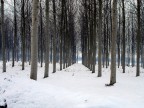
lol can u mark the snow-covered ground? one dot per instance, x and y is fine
(74, 87)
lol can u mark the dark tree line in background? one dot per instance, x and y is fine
(110, 33)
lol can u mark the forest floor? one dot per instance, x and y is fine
(74, 87)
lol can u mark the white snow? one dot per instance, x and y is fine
(74, 87)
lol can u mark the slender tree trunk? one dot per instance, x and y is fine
(47, 41)
(133, 44)
(51, 47)
(99, 37)
(23, 33)
(94, 38)
(3, 36)
(113, 47)
(107, 41)
(119, 34)
(54, 38)
(41, 34)
(15, 35)
(128, 57)
(138, 38)
(61, 33)
(123, 56)
(34, 39)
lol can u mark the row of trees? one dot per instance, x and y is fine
(39, 29)
(50, 29)
(112, 28)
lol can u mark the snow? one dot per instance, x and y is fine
(74, 87)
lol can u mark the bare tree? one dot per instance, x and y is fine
(47, 41)
(99, 40)
(15, 35)
(138, 37)
(3, 36)
(54, 38)
(113, 46)
(61, 32)
(23, 32)
(34, 39)
(123, 53)
(41, 33)
(94, 38)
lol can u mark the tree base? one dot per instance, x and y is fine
(107, 85)
(45, 77)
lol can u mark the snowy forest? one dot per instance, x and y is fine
(72, 54)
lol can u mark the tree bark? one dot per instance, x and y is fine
(15, 35)
(113, 46)
(54, 38)
(94, 38)
(23, 33)
(34, 39)
(41, 34)
(61, 33)
(138, 38)
(99, 40)
(3, 36)
(47, 41)
(123, 53)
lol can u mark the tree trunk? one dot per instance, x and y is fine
(15, 35)
(3, 36)
(46, 74)
(118, 39)
(113, 46)
(94, 38)
(138, 38)
(99, 40)
(23, 33)
(133, 43)
(34, 39)
(123, 54)
(41, 35)
(54, 38)
(61, 33)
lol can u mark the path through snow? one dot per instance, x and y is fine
(74, 87)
